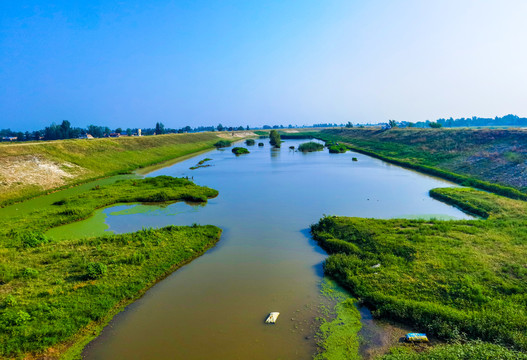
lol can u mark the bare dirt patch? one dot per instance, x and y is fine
(236, 134)
(16, 171)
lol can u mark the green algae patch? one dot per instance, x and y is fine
(338, 334)
(93, 226)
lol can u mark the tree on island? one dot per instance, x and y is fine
(274, 137)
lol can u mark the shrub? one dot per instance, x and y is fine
(33, 239)
(354, 159)
(29, 273)
(95, 270)
(16, 318)
(249, 142)
(9, 301)
(261, 144)
(223, 143)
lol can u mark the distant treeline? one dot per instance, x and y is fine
(66, 131)
(507, 120)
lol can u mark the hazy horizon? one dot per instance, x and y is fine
(238, 63)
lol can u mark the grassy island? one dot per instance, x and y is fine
(240, 151)
(310, 147)
(57, 295)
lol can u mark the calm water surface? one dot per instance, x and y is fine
(265, 261)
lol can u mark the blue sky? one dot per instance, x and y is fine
(134, 63)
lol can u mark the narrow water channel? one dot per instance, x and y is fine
(214, 307)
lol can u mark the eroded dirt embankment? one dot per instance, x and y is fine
(30, 169)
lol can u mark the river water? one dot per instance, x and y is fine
(214, 307)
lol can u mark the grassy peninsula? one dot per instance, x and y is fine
(456, 280)
(31, 169)
(493, 160)
(57, 295)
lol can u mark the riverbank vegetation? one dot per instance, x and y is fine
(310, 147)
(456, 280)
(337, 149)
(240, 151)
(54, 294)
(475, 350)
(493, 160)
(28, 170)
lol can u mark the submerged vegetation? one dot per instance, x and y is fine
(310, 147)
(240, 151)
(456, 280)
(51, 290)
(201, 164)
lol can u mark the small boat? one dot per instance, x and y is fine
(271, 319)
(416, 337)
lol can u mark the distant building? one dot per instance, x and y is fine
(138, 132)
(86, 136)
(9, 138)
(114, 135)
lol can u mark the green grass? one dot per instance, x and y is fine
(310, 147)
(469, 351)
(451, 279)
(337, 149)
(57, 293)
(99, 158)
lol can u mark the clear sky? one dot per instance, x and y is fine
(132, 63)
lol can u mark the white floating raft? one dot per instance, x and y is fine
(271, 319)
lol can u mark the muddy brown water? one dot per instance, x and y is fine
(214, 307)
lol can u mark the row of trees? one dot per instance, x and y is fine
(66, 131)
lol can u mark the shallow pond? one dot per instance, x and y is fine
(214, 308)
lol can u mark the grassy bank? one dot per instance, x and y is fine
(493, 160)
(35, 168)
(456, 280)
(51, 291)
